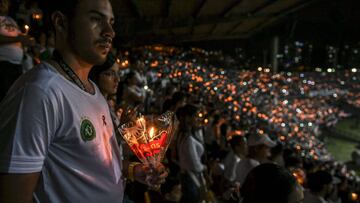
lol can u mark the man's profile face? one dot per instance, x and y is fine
(263, 151)
(243, 147)
(90, 31)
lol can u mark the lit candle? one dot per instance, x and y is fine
(151, 133)
(27, 28)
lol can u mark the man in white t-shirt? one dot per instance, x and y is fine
(57, 141)
(259, 150)
(11, 52)
(238, 152)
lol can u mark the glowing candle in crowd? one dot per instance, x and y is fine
(37, 16)
(206, 121)
(27, 28)
(354, 196)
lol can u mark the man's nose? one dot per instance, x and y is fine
(108, 30)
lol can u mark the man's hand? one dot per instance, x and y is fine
(16, 188)
(127, 114)
(152, 176)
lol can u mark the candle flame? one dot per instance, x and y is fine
(151, 133)
(27, 28)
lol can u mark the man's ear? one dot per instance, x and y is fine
(59, 21)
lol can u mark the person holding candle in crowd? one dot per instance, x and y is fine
(190, 150)
(57, 141)
(11, 51)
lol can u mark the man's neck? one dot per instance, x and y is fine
(106, 95)
(80, 67)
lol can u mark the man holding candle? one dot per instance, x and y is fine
(57, 141)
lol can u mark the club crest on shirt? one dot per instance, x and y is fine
(87, 130)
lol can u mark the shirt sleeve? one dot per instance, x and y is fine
(230, 167)
(192, 155)
(27, 123)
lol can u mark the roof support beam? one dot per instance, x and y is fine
(279, 15)
(198, 8)
(262, 6)
(232, 5)
(134, 6)
(196, 13)
(225, 13)
(166, 5)
(253, 12)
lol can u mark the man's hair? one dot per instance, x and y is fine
(98, 69)
(167, 105)
(178, 96)
(235, 141)
(268, 183)
(66, 7)
(318, 179)
(188, 110)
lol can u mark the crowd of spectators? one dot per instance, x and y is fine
(290, 108)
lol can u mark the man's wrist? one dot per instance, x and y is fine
(131, 170)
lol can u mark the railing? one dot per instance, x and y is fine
(340, 134)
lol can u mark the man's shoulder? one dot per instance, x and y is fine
(42, 77)
(44, 72)
(310, 198)
(254, 162)
(248, 163)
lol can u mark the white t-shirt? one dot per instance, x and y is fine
(311, 198)
(231, 161)
(243, 169)
(190, 152)
(49, 125)
(10, 52)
